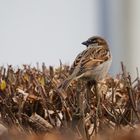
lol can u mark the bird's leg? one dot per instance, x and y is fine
(97, 94)
(89, 90)
(98, 107)
(98, 100)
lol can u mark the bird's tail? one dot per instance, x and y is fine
(63, 87)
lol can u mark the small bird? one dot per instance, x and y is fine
(92, 64)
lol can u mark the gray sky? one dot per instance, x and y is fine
(44, 30)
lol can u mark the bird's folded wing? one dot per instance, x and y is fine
(77, 61)
(93, 59)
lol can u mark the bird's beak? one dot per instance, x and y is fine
(85, 43)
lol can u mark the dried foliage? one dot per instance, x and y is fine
(31, 105)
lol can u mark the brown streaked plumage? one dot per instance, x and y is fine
(91, 64)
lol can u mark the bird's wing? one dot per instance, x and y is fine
(93, 57)
(77, 61)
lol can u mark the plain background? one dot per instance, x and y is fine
(44, 30)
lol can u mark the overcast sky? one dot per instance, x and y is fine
(44, 30)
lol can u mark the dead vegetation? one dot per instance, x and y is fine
(31, 105)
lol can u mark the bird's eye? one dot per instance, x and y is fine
(94, 41)
(91, 41)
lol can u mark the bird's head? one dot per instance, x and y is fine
(94, 41)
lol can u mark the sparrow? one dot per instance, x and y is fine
(92, 64)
